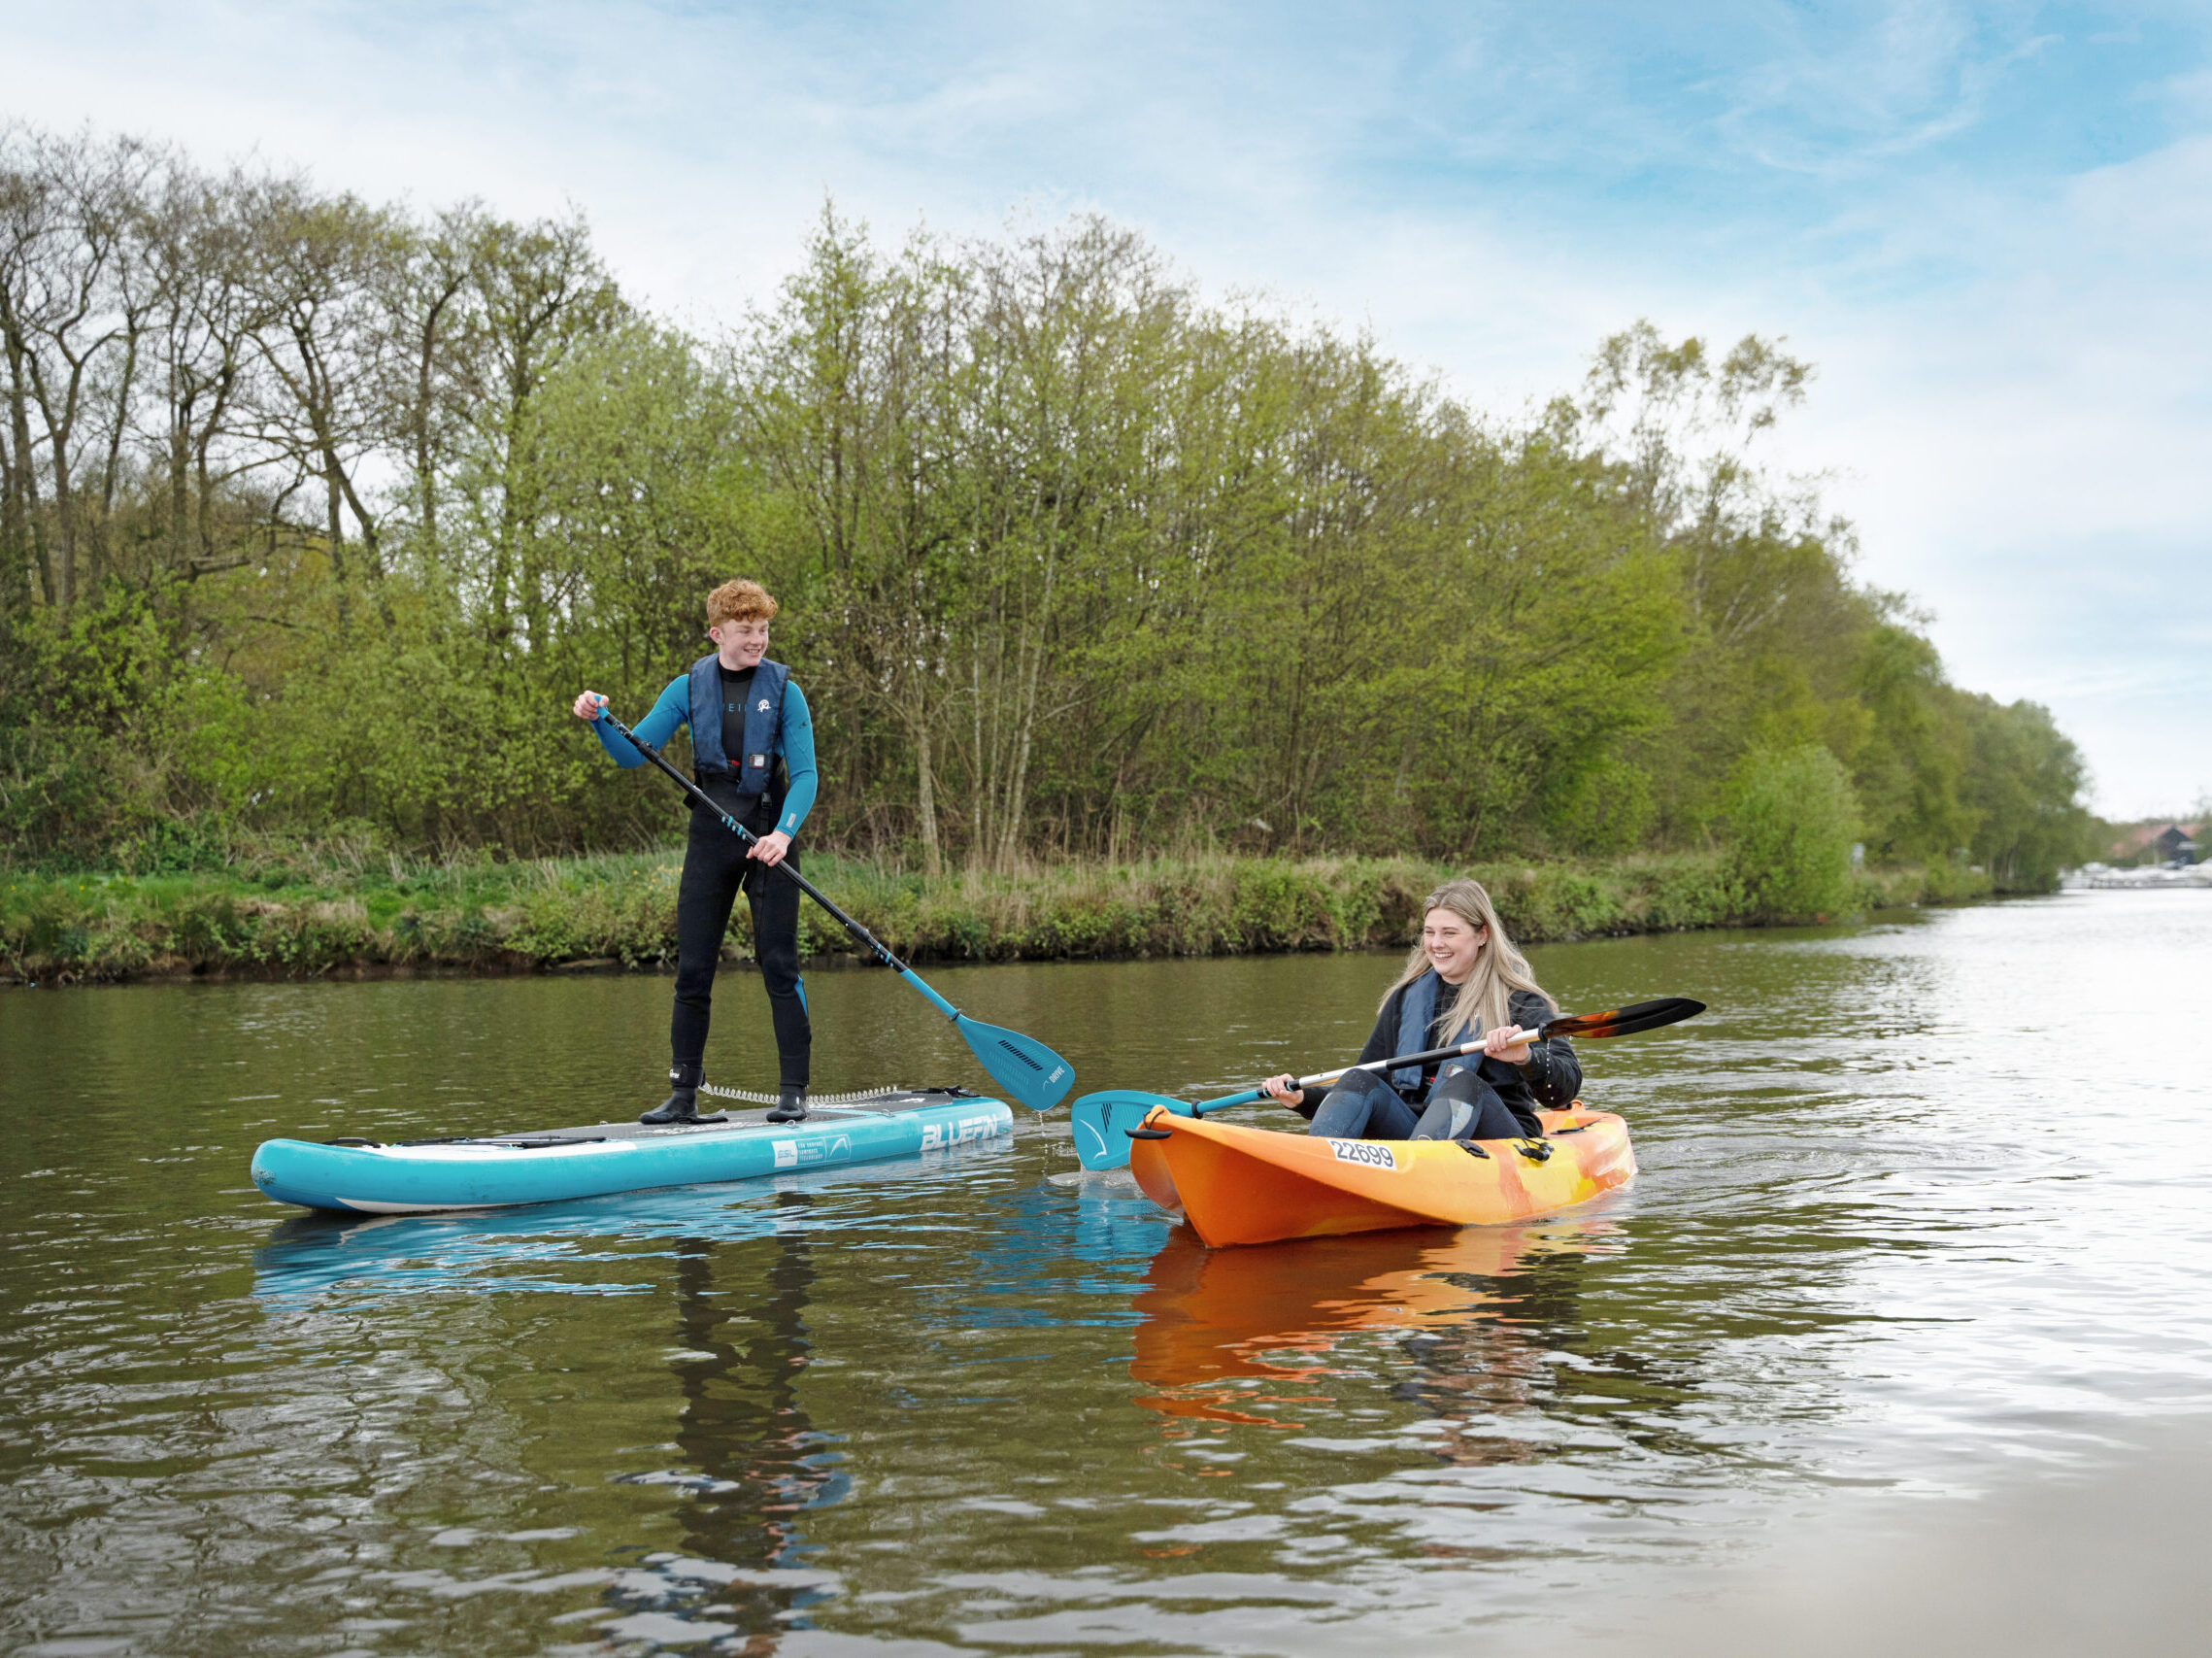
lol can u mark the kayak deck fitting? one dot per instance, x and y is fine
(1245, 1185)
(486, 1172)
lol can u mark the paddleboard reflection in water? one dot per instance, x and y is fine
(1252, 1335)
(740, 1464)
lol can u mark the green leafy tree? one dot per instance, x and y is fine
(2024, 784)
(315, 511)
(1793, 819)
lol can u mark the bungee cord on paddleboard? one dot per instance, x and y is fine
(860, 1097)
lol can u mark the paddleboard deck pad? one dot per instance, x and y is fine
(545, 1166)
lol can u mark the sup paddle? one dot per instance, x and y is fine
(1022, 1066)
(1103, 1120)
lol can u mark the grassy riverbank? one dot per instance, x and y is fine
(295, 913)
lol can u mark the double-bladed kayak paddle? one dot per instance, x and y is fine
(1103, 1120)
(1028, 1070)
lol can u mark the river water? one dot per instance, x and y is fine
(1906, 1324)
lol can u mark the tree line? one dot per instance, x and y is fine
(316, 512)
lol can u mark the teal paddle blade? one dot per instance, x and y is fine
(1029, 1072)
(1102, 1122)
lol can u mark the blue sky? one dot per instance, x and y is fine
(1990, 226)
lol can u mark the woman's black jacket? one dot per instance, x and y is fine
(1552, 1077)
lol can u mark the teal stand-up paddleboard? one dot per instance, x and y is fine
(489, 1171)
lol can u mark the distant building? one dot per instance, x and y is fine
(2161, 843)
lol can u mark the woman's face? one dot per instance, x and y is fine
(1451, 945)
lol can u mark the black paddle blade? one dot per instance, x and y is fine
(1627, 1021)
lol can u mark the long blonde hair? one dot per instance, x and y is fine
(1499, 968)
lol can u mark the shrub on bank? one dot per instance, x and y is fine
(1940, 882)
(1793, 819)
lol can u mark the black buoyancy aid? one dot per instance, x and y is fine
(763, 723)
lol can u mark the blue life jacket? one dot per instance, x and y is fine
(763, 723)
(1416, 1011)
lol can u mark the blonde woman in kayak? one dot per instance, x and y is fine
(1464, 980)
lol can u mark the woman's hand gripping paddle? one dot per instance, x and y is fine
(1103, 1120)
(1028, 1070)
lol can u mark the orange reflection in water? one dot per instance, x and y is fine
(1218, 1318)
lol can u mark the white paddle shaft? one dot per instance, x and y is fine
(1321, 1076)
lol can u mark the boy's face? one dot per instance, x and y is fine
(742, 643)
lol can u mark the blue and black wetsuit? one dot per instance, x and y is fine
(714, 863)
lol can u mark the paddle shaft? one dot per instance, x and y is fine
(1616, 1022)
(1252, 1096)
(881, 950)
(1099, 1116)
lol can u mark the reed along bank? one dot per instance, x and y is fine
(297, 918)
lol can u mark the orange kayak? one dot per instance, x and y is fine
(1240, 1185)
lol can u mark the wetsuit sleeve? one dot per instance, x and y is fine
(1378, 1047)
(1552, 1072)
(674, 709)
(794, 742)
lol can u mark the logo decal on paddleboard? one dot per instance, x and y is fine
(935, 1136)
(1368, 1151)
(801, 1153)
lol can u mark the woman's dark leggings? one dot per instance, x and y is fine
(1363, 1106)
(1461, 1106)
(714, 867)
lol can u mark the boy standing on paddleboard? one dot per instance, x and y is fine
(753, 751)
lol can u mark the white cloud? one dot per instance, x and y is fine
(2028, 451)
